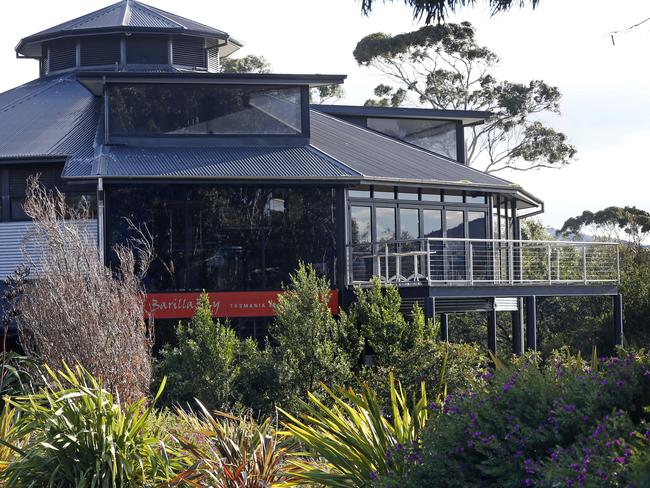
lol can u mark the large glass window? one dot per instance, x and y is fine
(385, 224)
(455, 251)
(434, 135)
(140, 110)
(222, 238)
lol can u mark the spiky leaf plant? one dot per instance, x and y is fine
(79, 435)
(354, 437)
(230, 451)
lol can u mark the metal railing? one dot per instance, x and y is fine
(439, 262)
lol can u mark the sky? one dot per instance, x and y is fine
(606, 92)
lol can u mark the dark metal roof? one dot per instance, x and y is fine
(124, 16)
(468, 117)
(209, 162)
(94, 80)
(377, 156)
(48, 117)
(57, 117)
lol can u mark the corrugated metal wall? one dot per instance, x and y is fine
(13, 236)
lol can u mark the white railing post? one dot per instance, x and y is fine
(511, 262)
(471, 264)
(584, 264)
(428, 273)
(559, 250)
(386, 254)
(550, 267)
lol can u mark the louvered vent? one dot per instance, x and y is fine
(406, 307)
(147, 50)
(214, 63)
(63, 55)
(100, 51)
(459, 305)
(48, 177)
(190, 52)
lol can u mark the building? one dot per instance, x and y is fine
(239, 178)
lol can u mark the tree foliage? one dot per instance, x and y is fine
(621, 223)
(438, 10)
(206, 361)
(251, 63)
(307, 340)
(443, 67)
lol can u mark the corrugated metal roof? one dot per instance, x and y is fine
(48, 117)
(122, 15)
(377, 156)
(209, 162)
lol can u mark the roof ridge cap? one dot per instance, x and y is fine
(126, 18)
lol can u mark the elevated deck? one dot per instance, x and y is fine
(486, 264)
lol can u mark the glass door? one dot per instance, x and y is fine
(410, 267)
(361, 265)
(385, 226)
(432, 228)
(481, 254)
(455, 251)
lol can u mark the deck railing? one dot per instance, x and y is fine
(469, 262)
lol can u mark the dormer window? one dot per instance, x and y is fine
(166, 110)
(438, 136)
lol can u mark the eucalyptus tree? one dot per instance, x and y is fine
(438, 10)
(443, 67)
(624, 224)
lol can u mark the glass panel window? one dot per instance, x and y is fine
(455, 250)
(432, 228)
(409, 223)
(360, 221)
(431, 195)
(408, 194)
(481, 254)
(385, 224)
(385, 192)
(453, 196)
(433, 135)
(475, 198)
(204, 110)
(359, 192)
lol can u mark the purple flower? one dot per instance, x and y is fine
(373, 475)
(527, 482)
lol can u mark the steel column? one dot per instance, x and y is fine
(444, 327)
(492, 331)
(518, 328)
(531, 323)
(618, 319)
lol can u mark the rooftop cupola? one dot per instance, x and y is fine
(128, 36)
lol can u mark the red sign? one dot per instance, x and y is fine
(224, 304)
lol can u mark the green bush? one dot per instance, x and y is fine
(308, 343)
(561, 423)
(77, 434)
(206, 361)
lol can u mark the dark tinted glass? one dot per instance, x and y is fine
(432, 223)
(227, 238)
(204, 110)
(434, 135)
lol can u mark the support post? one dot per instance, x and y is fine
(518, 328)
(444, 327)
(618, 319)
(492, 331)
(430, 308)
(531, 323)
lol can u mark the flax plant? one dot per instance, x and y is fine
(231, 451)
(79, 434)
(354, 438)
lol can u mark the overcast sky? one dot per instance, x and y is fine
(606, 103)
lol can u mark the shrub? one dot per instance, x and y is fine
(562, 423)
(79, 434)
(353, 437)
(376, 314)
(230, 451)
(76, 310)
(206, 361)
(307, 340)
